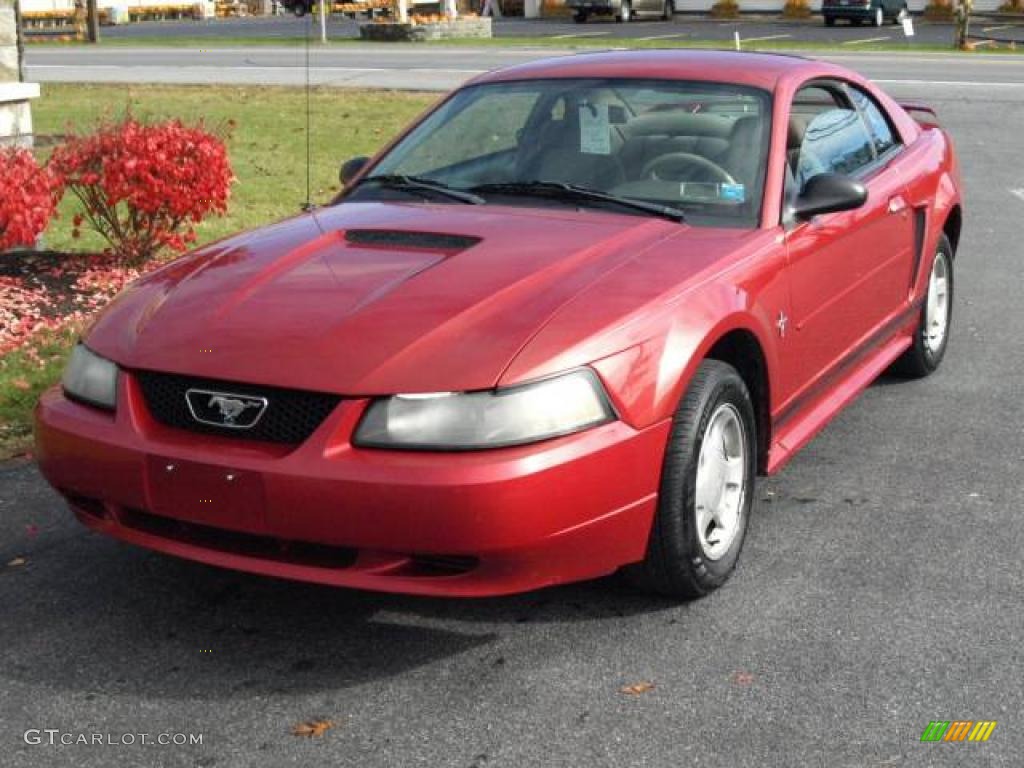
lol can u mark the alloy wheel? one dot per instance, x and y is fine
(721, 481)
(937, 304)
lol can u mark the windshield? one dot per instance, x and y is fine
(696, 147)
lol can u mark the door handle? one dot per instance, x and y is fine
(897, 204)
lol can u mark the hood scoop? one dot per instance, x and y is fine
(396, 238)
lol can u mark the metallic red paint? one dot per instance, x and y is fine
(640, 300)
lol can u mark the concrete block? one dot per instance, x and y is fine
(8, 64)
(8, 31)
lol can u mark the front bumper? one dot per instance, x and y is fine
(458, 524)
(848, 12)
(590, 6)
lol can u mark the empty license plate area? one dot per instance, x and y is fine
(205, 493)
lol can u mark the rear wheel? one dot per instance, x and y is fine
(579, 17)
(932, 333)
(830, 21)
(625, 12)
(299, 9)
(666, 12)
(707, 488)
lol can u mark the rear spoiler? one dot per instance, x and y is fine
(922, 113)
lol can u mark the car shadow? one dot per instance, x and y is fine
(93, 615)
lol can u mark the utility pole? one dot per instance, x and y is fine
(92, 23)
(19, 40)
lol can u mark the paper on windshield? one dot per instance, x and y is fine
(595, 131)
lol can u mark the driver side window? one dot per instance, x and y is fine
(826, 135)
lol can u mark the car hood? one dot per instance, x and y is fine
(370, 298)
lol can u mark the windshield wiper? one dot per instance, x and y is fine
(559, 190)
(401, 181)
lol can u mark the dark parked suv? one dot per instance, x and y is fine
(876, 12)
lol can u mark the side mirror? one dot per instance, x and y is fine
(828, 193)
(351, 168)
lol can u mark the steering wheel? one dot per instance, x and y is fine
(684, 166)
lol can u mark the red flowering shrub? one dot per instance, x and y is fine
(28, 198)
(145, 187)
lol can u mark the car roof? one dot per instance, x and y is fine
(759, 70)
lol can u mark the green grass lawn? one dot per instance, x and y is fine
(22, 379)
(268, 153)
(267, 146)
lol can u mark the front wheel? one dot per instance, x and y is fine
(625, 12)
(666, 12)
(707, 488)
(932, 333)
(830, 21)
(299, 10)
(879, 16)
(579, 17)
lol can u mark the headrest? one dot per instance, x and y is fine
(795, 134)
(679, 123)
(746, 129)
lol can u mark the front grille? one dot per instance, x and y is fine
(291, 415)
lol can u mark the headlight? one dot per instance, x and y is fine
(90, 378)
(492, 419)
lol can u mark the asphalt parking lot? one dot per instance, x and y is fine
(681, 28)
(880, 589)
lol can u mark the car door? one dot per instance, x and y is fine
(844, 266)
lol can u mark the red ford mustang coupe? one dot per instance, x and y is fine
(555, 329)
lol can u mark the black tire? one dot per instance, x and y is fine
(830, 21)
(299, 10)
(922, 359)
(667, 11)
(625, 13)
(579, 17)
(676, 563)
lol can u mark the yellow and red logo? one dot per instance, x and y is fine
(958, 730)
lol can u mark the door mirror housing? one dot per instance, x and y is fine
(351, 168)
(828, 193)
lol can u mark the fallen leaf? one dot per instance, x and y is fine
(740, 677)
(312, 728)
(16, 562)
(637, 688)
